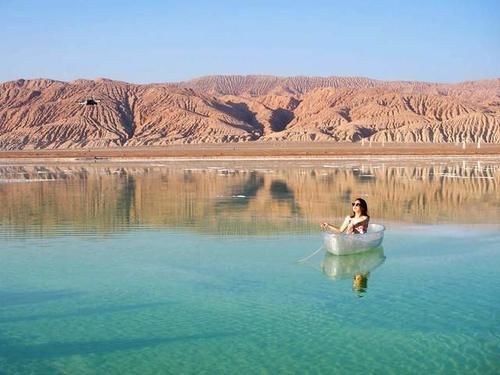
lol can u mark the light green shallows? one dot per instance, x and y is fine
(154, 299)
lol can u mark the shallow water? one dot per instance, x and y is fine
(192, 268)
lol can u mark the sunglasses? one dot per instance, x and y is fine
(356, 204)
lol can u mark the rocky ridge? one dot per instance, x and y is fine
(37, 114)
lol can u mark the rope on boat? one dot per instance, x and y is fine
(311, 255)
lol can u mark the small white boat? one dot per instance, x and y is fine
(344, 244)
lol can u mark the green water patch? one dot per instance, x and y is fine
(177, 302)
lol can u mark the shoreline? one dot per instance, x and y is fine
(252, 151)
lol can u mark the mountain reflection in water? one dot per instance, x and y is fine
(242, 199)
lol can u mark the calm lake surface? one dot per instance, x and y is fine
(191, 267)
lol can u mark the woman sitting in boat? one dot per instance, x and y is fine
(356, 223)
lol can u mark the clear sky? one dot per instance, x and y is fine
(165, 41)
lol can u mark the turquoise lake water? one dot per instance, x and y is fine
(192, 268)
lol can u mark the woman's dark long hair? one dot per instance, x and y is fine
(364, 207)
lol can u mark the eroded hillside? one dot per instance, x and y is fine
(38, 114)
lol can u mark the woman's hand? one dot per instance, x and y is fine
(324, 225)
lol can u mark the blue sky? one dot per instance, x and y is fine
(165, 41)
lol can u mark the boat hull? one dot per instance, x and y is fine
(344, 244)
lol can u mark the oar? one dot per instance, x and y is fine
(310, 256)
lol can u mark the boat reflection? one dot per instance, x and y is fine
(355, 266)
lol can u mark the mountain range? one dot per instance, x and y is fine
(49, 114)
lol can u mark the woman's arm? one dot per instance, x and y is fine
(334, 229)
(330, 227)
(345, 224)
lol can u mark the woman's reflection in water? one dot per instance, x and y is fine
(355, 266)
(360, 283)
